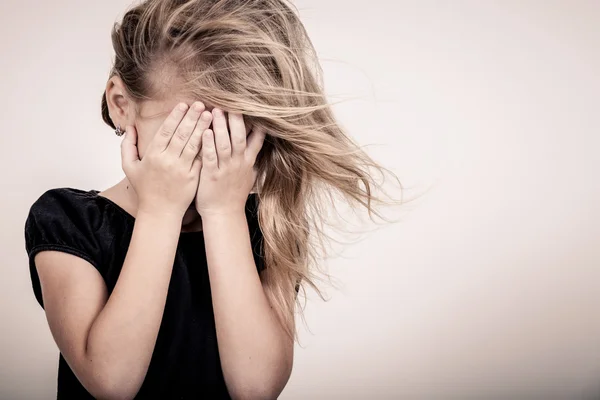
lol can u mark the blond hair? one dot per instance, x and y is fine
(255, 57)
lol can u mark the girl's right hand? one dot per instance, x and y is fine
(166, 179)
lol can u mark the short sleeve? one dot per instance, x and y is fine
(256, 236)
(59, 221)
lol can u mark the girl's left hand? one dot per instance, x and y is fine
(228, 172)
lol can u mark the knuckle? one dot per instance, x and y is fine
(224, 147)
(192, 146)
(180, 135)
(165, 132)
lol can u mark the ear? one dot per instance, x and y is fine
(120, 106)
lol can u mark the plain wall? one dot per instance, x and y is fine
(489, 286)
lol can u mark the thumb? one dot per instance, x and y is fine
(129, 150)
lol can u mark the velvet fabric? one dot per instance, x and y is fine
(185, 363)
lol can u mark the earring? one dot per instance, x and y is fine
(118, 131)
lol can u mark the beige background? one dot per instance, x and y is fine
(489, 288)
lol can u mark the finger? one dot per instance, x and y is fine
(165, 132)
(199, 156)
(209, 153)
(129, 150)
(192, 148)
(255, 142)
(185, 129)
(221, 134)
(202, 125)
(237, 131)
(196, 166)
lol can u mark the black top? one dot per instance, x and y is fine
(185, 363)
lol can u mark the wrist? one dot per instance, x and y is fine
(159, 216)
(211, 215)
(218, 212)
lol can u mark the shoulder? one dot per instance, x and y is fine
(63, 217)
(65, 220)
(76, 205)
(61, 199)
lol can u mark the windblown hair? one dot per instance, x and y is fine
(254, 57)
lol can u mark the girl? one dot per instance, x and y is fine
(181, 281)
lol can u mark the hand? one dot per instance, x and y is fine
(166, 179)
(228, 172)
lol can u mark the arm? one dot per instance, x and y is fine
(256, 354)
(108, 341)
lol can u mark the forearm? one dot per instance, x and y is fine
(255, 355)
(123, 336)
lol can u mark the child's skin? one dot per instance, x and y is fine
(108, 341)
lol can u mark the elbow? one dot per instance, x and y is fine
(108, 377)
(261, 388)
(113, 386)
(253, 393)
(107, 391)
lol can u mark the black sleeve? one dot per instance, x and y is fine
(58, 221)
(256, 235)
